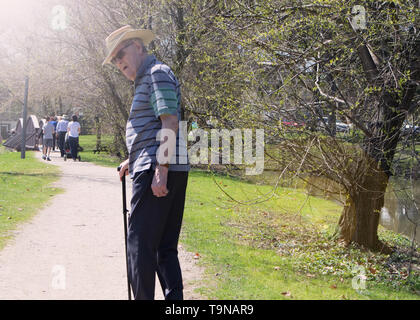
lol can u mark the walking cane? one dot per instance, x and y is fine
(125, 229)
(162, 282)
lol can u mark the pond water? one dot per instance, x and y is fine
(400, 213)
(401, 210)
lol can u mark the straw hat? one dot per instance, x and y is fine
(125, 33)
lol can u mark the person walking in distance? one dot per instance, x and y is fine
(61, 131)
(73, 129)
(157, 163)
(54, 123)
(48, 131)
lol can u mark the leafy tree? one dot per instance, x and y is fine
(311, 59)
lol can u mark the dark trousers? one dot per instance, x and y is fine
(153, 233)
(54, 140)
(61, 137)
(73, 142)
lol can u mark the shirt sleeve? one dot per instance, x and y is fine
(163, 96)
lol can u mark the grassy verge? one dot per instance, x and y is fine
(25, 186)
(88, 142)
(282, 248)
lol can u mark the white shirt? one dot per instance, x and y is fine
(62, 126)
(74, 127)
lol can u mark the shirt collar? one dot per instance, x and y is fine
(150, 59)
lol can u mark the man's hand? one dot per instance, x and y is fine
(124, 169)
(167, 137)
(159, 182)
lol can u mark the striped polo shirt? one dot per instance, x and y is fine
(157, 92)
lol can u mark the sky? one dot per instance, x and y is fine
(24, 25)
(25, 21)
(25, 17)
(17, 13)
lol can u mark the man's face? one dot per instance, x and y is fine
(128, 57)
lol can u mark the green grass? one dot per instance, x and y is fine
(88, 142)
(279, 249)
(25, 187)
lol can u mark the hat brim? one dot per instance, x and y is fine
(145, 35)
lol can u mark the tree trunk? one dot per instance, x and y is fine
(360, 217)
(98, 133)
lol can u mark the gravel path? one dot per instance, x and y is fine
(74, 247)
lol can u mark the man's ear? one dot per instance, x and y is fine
(138, 45)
